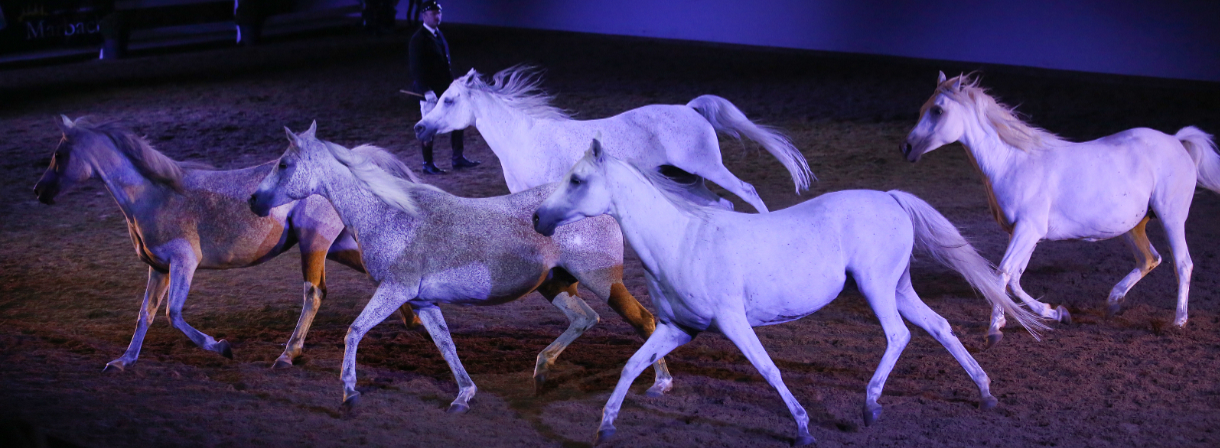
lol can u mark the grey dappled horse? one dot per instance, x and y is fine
(425, 247)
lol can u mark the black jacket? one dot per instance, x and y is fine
(429, 58)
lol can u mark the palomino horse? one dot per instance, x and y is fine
(711, 269)
(182, 218)
(537, 143)
(426, 247)
(1040, 186)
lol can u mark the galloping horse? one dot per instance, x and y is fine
(182, 218)
(537, 143)
(425, 247)
(710, 269)
(1040, 186)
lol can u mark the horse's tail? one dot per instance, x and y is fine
(936, 236)
(1203, 150)
(727, 118)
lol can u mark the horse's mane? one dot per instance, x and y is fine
(519, 87)
(151, 164)
(670, 189)
(1008, 125)
(382, 174)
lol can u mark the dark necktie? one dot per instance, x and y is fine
(440, 37)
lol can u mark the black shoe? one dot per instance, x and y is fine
(430, 168)
(462, 162)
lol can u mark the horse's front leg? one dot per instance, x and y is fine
(665, 339)
(1020, 248)
(154, 292)
(435, 323)
(385, 301)
(733, 324)
(181, 272)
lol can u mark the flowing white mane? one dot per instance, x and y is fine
(1004, 119)
(152, 164)
(670, 189)
(382, 174)
(518, 87)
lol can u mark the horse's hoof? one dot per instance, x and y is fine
(657, 390)
(988, 402)
(457, 408)
(603, 435)
(114, 366)
(281, 363)
(871, 414)
(993, 339)
(350, 399)
(539, 384)
(1113, 309)
(1064, 316)
(222, 347)
(803, 440)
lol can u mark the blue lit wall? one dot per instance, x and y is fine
(1165, 38)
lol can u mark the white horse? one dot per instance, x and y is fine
(425, 247)
(182, 218)
(1040, 186)
(710, 269)
(537, 143)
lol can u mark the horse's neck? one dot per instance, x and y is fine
(126, 184)
(359, 209)
(990, 154)
(511, 134)
(649, 221)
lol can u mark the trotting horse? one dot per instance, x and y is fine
(182, 218)
(426, 247)
(715, 270)
(1040, 186)
(537, 143)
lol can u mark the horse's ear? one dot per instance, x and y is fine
(312, 131)
(470, 77)
(65, 124)
(292, 138)
(596, 149)
(957, 82)
(941, 79)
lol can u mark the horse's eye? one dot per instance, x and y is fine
(575, 182)
(936, 110)
(283, 166)
(448, 101)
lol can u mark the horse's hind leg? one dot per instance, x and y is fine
(313, 267)
(154, 292)
(560, 290)
(733, 324)
(1175, 231)
(181, 271)
(1146, 258)
(918, 312)
(881, 297)
(727, 180)
(608, 285)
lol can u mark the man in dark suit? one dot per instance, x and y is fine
(431, 75)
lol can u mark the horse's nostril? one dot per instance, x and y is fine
(535, 219)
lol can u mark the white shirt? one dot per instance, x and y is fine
(430, 29)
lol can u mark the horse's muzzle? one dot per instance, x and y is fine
(545, 229)
(256, 207)
(46, 194)
(906, 149)
(424, 133)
